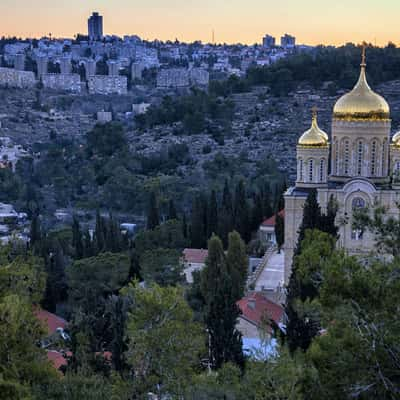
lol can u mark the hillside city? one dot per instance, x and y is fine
(171, 226)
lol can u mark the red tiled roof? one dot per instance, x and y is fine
(196, 256)
(49, 320)
(272, 221)
(256, 306)
(57, 359)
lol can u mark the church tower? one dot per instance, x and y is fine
(364, 168)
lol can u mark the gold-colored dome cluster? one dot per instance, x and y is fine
(362, 103)
(314, 137)
(396, 140)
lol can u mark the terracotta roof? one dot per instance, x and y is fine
(49, 320)
(272, 221)
(196, 256)
(256, 306)
(57, 359)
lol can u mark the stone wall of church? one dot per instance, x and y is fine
(360, 149)
(293, 218)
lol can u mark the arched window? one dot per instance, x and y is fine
(384, 146)
(373, 158)
(310, 170)
(397, 166)
(360, 153)
(301, 170)
(346, 157)
(322, 170)
(336, 157)
(358, 203)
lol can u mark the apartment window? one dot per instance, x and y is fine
(301, 170)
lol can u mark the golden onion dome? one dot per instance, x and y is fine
(396, 139)
(314, 136)
(362, 103)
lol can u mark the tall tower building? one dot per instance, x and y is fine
(268, 41)
(95, 27)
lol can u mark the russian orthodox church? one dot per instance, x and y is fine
(358, 167)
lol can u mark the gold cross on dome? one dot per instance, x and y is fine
(314, 112)
(363, 56)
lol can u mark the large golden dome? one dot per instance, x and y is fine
(314, 137)
(362, 103)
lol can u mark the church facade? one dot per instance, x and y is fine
(359, 167)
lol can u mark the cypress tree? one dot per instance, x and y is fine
(221, 311)
(88, 245)
(153, 216)
(300, 331)
(237, 264)
(77, 241)
(212, 219)
(172, 214)
(279, 231)
(241, 213)
(99, 234)
(35, 233)
(266, 199)
(257, 213)
(184, 226)
(225, 223)
(197, 228)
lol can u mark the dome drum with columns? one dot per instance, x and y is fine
(359, 167)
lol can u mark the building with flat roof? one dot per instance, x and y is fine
(95, 27)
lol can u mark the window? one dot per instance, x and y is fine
(310, 170)
(321, 170)
(383, 157)
(346, 157)
(358, 203)
(300, 170)
(359, 157)
(373, 158)
(336, 152)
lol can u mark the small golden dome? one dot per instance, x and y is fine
(396, 139)
(362, 103)
(314, 136)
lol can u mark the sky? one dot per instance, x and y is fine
(246, 21)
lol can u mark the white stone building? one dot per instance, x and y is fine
(359, 168)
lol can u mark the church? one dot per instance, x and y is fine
(358, 166)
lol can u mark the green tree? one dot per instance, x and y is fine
(164, 343)
(221, 311)
(212, 217)
(237, 264)
(279, 230)
(162, 266)
(241, 212)
(153, 216)
(77, 241)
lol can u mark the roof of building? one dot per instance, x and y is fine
(272, 221)
(49, 320)
(57, 359)
(256, 306)
(195, 256)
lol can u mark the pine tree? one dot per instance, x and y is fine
(237, 264)
(212, 219)
(77, 241)
(221, 311)
(153, 216)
